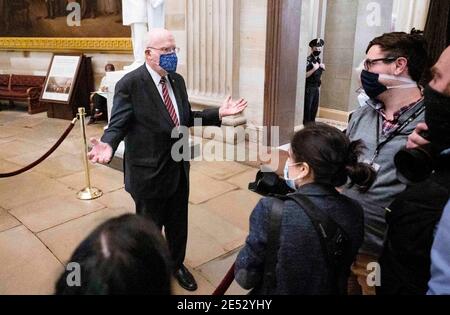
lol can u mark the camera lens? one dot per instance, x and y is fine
(415, 165)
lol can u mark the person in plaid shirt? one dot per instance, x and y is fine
(393, 67)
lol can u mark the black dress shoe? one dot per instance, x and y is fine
(185, 279)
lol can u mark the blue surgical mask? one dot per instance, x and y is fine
(290, 182)
(169, 62)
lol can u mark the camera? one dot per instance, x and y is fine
(416, 165)
(268, 183)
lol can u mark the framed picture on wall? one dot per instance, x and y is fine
(61, 78)
(64, 26)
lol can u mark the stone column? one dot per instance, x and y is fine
(283, 33)
(212, 65)
(212, 50)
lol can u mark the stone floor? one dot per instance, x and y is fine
(41, 221)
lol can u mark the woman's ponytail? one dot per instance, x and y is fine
(360, 174)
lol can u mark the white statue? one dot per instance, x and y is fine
(141, 16)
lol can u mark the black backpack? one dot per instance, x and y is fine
(335, 243)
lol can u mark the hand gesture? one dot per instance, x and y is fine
(316, 66)
(100, 153)
(230, 108)
(322, 65)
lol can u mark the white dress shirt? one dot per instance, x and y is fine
(157, 78)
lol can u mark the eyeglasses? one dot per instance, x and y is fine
(167, 50)
(370, 62)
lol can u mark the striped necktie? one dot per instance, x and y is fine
(168, 102)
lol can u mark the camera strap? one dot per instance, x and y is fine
(273, 245)
(396, 132)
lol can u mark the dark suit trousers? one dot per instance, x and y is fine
(311, 104)
(172, 214)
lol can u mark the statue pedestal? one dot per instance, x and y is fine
(111, 80)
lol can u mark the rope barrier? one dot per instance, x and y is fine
(45, 156)
(226, 282)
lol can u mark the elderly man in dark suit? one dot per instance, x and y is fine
(150, 105)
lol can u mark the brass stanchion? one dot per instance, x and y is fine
(88, 193)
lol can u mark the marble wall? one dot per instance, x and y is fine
(249, 38)
(340, 30)
(252, 58)
(350, 26)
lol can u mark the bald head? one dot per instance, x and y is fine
(158, 36)
(159, 42)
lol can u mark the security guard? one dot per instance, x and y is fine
(314, 70)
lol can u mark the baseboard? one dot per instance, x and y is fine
(333, 114)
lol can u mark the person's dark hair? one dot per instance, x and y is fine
(331, 156)
(126, 255)
(110, 67)
(411, 46)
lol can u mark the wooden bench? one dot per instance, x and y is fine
(23, 88)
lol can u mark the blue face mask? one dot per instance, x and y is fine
(169, 62)
(290, 182)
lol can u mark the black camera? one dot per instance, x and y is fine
(268, 183)
(416, 165)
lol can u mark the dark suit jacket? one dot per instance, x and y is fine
(140, 117)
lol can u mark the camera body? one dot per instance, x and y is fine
(416, 165)
(268, 183)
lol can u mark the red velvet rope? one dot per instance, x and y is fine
(45, 156)
(226, 282)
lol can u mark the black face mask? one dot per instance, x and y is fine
(316, 53)
(437, 117)
(371, 84)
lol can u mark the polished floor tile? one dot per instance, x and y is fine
(26, 265)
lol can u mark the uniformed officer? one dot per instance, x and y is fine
(314, 70)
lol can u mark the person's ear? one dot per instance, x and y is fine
(305, 170)
(401, 65)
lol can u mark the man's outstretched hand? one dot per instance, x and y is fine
(101, 152)
(230, 108)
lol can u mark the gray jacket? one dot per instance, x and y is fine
(363, 125)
